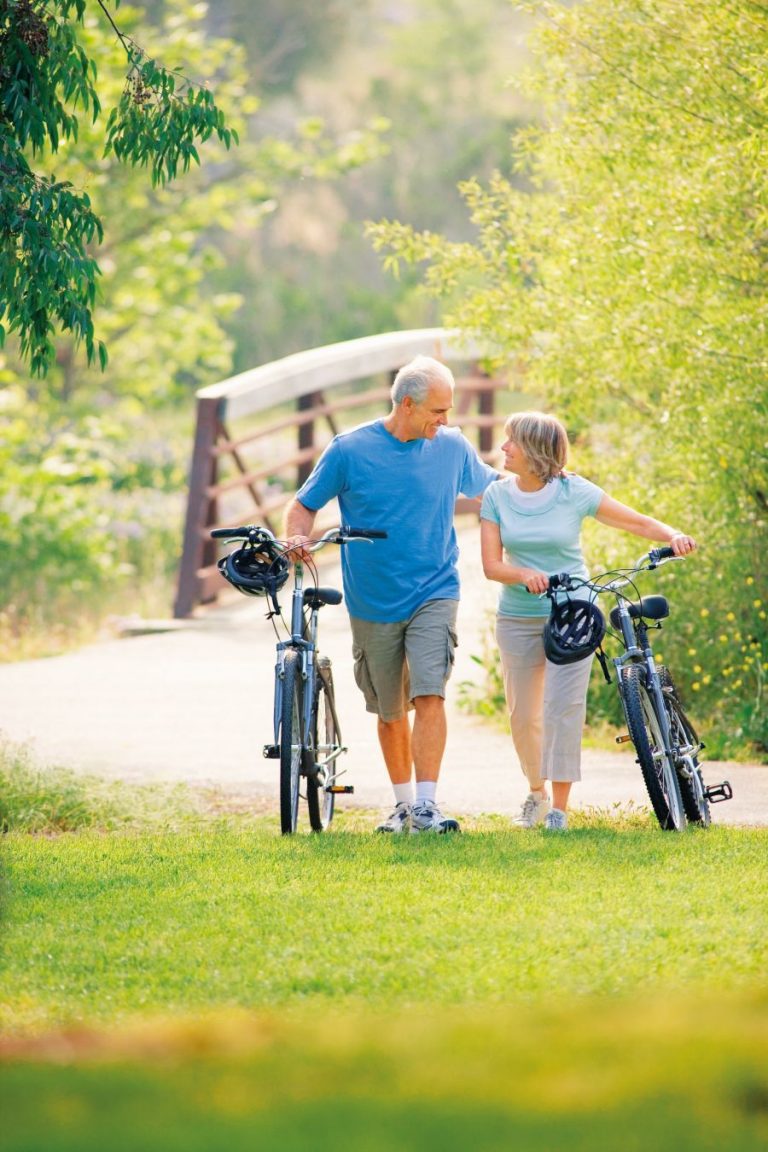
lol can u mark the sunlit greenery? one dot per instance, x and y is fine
(628, 287)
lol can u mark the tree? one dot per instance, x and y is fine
(630, 288)
(48, 228)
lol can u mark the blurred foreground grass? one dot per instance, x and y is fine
(660, 1072)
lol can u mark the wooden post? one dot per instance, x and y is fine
(306, 434)
(200, 508)
(485, 406)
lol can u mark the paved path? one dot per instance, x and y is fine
(196, 705)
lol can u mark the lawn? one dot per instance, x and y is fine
(214, 985)
(98, 927)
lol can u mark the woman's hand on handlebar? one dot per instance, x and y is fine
(535, 581)
(681, 544)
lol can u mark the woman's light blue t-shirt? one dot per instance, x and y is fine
(545, 536)
(408, 490)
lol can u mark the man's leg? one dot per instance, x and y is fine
(395, 741)
(382, 675)
(429, 736)
(430, 640)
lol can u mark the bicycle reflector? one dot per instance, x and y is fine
(575, 630)
(256, 570)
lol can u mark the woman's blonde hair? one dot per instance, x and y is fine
(543, 439)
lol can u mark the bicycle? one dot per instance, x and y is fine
(665, 741)
(307, 736)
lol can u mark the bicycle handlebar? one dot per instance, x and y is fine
(255, 534)
(647, 562)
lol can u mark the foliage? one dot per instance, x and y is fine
(658, 1073)
(629, 283)
(446, 123)
(47, 83)
(93, 465)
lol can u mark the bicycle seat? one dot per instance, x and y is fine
(316, 597)
(649, 607)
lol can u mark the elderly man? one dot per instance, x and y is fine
(402, 474)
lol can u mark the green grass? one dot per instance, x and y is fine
(666, 1073)
(50, 799)
(222, 987)
(99, 927)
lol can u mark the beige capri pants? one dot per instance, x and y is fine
(547, 702)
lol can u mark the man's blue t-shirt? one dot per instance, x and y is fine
(407, 490)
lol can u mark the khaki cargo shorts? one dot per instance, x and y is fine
(396, 662)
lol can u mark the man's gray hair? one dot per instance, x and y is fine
(414, 379)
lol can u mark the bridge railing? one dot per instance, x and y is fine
(259, 434)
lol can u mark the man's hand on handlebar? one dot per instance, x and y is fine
(296, 548)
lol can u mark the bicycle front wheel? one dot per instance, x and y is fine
(290, 742)
(686, 745)
(660, 776)
(326, 744)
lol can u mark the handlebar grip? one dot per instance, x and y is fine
(365, 533)
(559, 580)
(663, 553)
(229, 533)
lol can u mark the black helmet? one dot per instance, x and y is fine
(257, 569)
(575, 630)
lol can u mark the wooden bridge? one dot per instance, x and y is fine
(259, 434)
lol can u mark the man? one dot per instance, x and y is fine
(402, 474)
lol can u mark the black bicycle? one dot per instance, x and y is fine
(667, 745)
(307, 736)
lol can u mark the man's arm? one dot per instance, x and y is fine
(299, 521)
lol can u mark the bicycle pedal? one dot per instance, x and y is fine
(271, 752)
(716, 793)
(339, 789)
(623, 739)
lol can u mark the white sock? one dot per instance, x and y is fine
(403, 793)
(539, 793)
(426, 790)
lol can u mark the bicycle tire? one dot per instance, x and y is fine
(290, 742)
(326, 741)
(661, 778)
(684, 735)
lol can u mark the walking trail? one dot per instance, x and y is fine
(194, 704)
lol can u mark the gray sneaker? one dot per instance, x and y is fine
(399, 820)
(427, 817)
(534, 811)
(556, 821)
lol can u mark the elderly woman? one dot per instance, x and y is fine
(531, 529)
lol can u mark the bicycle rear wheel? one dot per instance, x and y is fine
(326, 744)
(660, 776)
(686, 745)
(290, 742)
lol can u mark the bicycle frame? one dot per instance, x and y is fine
(303, 639)
(637, 650)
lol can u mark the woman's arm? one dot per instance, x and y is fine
(617, 515)
(496, 568)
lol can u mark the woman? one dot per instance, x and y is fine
(530, 529)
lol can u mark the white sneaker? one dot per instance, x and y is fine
(399, 820)
(534, 811)
(427, 817)
(556, 821)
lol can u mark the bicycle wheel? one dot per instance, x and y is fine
(326, 743)
(660, 777)
(290, 742)
(686, 745)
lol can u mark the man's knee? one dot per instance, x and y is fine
(425, 705)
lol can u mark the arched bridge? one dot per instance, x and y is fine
(258, 434)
